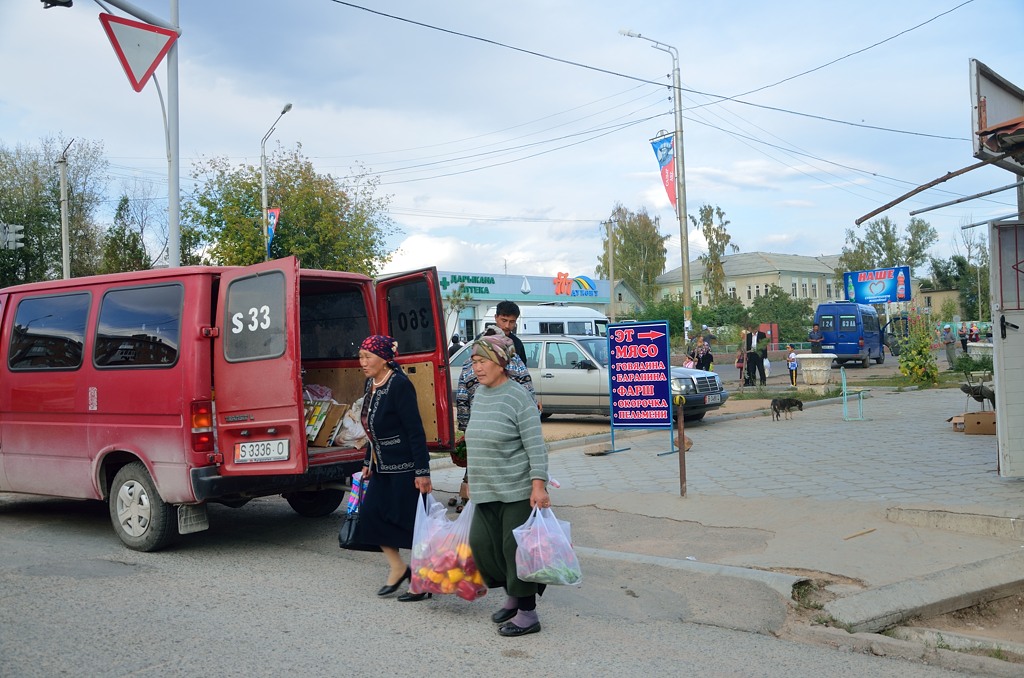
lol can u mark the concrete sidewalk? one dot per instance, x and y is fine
(882, 504)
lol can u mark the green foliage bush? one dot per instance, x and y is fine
(917, 362)
(965, 363)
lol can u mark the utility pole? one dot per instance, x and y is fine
(611, 270)
(65, 232)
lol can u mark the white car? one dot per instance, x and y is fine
(570, 376)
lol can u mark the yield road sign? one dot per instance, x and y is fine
(139, 46)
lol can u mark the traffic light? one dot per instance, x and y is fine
(13, 234)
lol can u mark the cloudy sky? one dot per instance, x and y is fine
(505, 133)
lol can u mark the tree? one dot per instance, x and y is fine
(885, 246)
(947, 310)
(669, 310)
(966, 273)
(146, 214)
(325, 223)
(719, 241)
(728, 311)
(123, 249)
(639, 250)
(455, 301)
(777, 306)
(30, 196)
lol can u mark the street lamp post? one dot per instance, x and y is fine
(263, 180)
(677, 142)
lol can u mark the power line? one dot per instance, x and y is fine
(606, 71)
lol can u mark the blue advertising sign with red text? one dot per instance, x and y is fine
(877, 286)
(639, 374)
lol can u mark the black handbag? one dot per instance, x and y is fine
(347, 532)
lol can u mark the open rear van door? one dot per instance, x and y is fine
(256, 371)
(409, 308)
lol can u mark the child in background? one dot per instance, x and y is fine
(791, 364)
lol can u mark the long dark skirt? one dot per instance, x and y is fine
(494, 547)
(388, 512)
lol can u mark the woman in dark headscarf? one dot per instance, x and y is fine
(396, 463)
(508, 471)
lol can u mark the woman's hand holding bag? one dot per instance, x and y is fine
(544, 554)
(442, 561)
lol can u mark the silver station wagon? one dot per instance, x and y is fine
(570, 376)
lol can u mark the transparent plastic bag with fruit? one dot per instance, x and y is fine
(442, 561)
(544, 553)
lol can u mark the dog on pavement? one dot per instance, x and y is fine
(785, 406)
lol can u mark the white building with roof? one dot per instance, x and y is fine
(749, 275)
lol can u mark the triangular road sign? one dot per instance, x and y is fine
(139, 46)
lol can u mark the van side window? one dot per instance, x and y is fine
(553, 328)
(848, 323)
(580, 327)
(254, 320)
(410, 317)
(827, 323)
(332, 324)
(49, 333)
(870, 323)
(139, 327)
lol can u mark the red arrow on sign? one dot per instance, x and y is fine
(651, 334)
(139, 46)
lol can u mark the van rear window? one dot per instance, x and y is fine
(139, 327)
(848, 323)
(49, 333)
(827, 323)
(411, 318)
(254, 318)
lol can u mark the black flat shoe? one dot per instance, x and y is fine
(388, 589)
(503, 615)
(413, 597)
(511, 629)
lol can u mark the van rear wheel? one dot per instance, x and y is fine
(315, 503)
(143, 521)
(865, 362)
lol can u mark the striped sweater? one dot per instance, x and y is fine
(504, 444)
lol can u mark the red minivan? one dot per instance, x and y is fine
(160, 391)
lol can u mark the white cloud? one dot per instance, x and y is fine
(405, 100)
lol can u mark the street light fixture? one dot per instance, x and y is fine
(263, 180)
(684, 244)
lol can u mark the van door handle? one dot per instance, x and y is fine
(1003, 325)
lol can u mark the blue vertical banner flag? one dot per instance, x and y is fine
(664, 152)
(639, 375)
(272, 217)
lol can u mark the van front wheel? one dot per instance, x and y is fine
(142, 520)
(316, 503)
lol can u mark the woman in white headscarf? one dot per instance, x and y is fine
(508, 471)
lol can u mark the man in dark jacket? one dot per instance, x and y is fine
(757, 351)
(456, 345)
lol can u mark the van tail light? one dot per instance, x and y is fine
(201, 422)
(860, 342)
